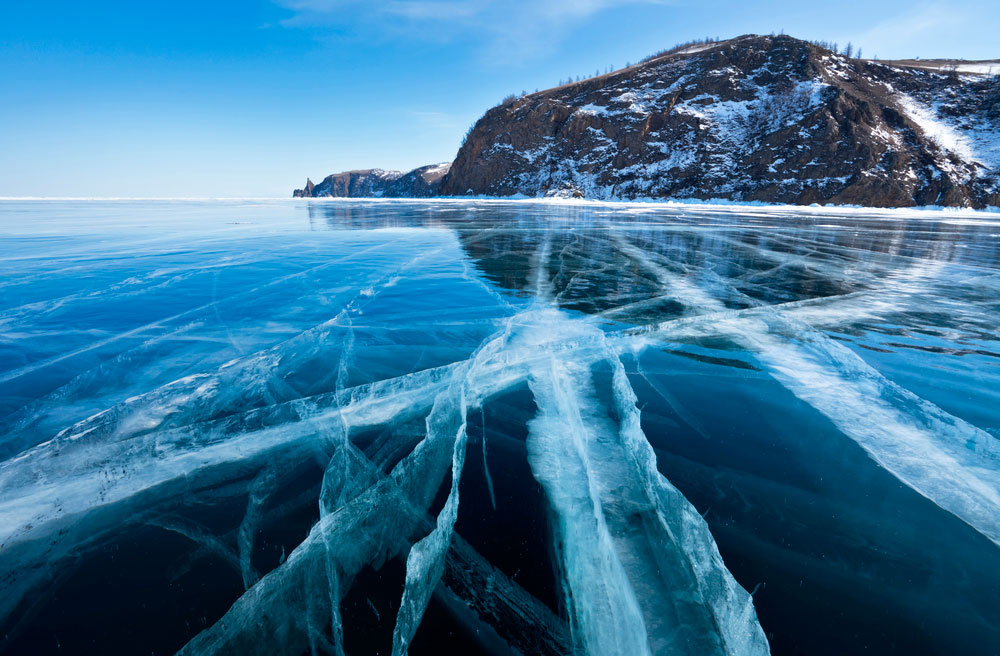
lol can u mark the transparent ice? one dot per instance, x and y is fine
(555, 429)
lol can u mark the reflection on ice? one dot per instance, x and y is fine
(298, 407)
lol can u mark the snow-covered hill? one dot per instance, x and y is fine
(755, 118)
(772, 119)
(422, 182)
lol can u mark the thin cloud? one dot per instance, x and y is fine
(908, 35)
(514, 29)
(442, 121)
(435, 11)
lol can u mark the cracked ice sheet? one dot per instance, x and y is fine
(705, 610)
(151, 444)
(178, 339)
(532, 352)
(950, 461)
(378, 518)
(763, 287)
(642, 573)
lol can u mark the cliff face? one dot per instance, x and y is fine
(772, 119)
(422, 182)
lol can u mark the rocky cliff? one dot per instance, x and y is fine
(422, 182)
(770, 119)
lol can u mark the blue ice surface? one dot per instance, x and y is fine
(242, 427)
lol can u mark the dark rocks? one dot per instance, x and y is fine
(306, 192)
(375, 183)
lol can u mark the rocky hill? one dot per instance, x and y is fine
(755, 118)
(422, 182)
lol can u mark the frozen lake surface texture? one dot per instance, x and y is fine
(462, 427)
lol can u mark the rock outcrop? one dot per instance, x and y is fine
(422, 182)
(305, 192)
(755, 118)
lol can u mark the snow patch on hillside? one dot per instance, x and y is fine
(989, 68)
(438, 168)
(594, 110)
(386, 175)
(975, 142)
(973, 68)
(938, 131)
(690, 50)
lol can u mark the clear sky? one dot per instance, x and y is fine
(248, 97)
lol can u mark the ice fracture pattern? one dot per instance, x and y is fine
(360, 427)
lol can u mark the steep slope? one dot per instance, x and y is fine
(772, 119)
(422, 182)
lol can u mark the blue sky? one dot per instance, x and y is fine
(246, 98)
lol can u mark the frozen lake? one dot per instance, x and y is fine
(497, 427)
